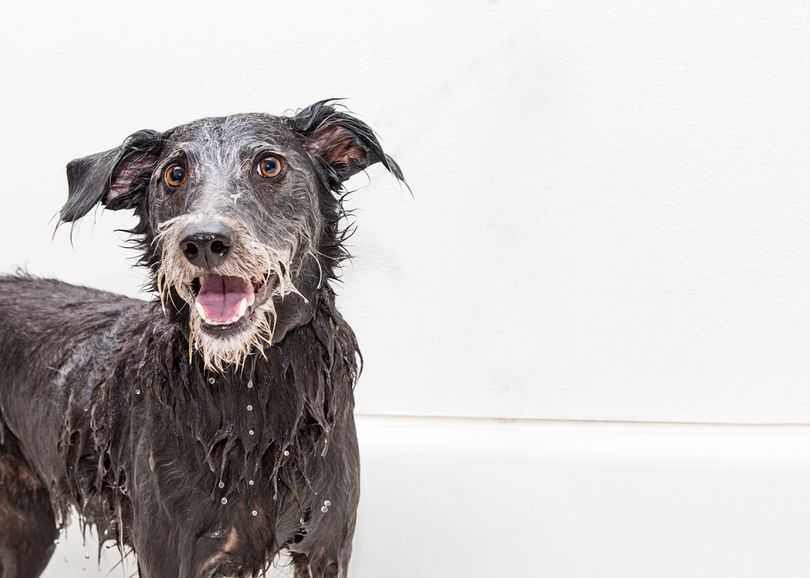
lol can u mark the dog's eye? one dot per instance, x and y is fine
(269, 167)
(174, 175)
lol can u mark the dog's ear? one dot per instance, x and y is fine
(340, 141)
(115, 178)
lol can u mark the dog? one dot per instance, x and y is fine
(212, 428)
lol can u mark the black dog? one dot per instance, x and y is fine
(212, 428)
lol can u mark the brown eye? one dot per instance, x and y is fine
(174, 175)
(269, 167)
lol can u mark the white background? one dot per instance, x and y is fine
(610, 222)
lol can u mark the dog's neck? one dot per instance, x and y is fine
(309, 374)
(309, 330)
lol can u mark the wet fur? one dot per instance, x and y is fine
(248, 258)
(107, 407)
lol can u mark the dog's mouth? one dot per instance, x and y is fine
(225, 303)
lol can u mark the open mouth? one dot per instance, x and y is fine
(225, 303)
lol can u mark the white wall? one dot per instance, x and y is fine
(611, 217)
(611, 208)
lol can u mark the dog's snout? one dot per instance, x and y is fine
(207, 245)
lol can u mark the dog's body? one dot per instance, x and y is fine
(211, 428)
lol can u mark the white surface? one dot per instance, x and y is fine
(611, 216)
(476, 499)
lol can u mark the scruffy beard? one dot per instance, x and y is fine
(268, 270)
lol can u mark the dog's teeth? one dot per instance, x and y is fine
(200, 310)
(243, 305)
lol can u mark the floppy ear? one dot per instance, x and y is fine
(115, 178)
(340, 141)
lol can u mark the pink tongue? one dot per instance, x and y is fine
(220, 296)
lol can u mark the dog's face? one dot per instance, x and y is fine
(238, 216)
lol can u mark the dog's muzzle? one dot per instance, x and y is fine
(222, 301)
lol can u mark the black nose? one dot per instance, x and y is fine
(206, 244)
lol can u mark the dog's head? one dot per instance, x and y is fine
(239, 218)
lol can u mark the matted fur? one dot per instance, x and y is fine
(248, 258)
(204, 456)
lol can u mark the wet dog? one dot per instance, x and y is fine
(211, 428)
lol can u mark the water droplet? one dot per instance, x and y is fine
(286, 452)
(224, 501)
(251, 432)
(250, 384)
(250, 482)
(327, 503)
(211, 380)
(324, 509)
(250, 407)
(137, 392)
(254, 513)
(56, 541)
(221, 484)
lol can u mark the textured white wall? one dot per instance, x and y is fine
(611, 216)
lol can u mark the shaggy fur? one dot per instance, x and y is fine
(206, 452)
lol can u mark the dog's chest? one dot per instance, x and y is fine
(234, 449)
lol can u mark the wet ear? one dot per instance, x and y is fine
(340, 141)
(115, 178)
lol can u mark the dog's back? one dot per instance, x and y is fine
(52, 334)
(46, 359)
